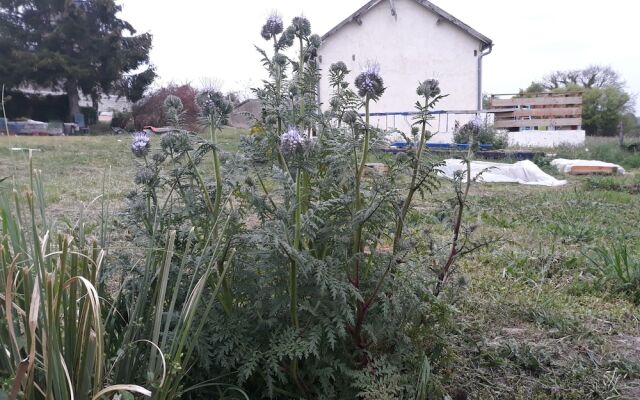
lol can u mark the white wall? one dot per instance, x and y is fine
(409, 50)
(547, 138)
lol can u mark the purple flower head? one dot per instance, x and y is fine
(369, 82)
(141, 144)
(272, 27)
(291, 141)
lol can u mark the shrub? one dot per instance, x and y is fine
(323, 290)
(150, 112)
(122, 119)
(479, 132)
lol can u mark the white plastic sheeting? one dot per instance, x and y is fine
(522, 172)
(564, 165)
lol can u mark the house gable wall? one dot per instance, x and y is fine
(416, 45)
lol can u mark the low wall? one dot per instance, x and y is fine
(529, 138)
(547, 138)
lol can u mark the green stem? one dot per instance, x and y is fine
(300, 84)
(357, 238)
(216, 165)
(293, 273)
(412, 189)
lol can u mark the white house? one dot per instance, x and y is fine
(411, 40)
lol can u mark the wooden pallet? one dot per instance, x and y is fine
(592, 170)
(541, 111)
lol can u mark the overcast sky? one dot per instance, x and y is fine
(200, 40)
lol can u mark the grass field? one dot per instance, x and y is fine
(549, 311)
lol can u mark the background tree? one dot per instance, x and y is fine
(605, 102)
(73, 45)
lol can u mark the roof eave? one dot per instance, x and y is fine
(486, 42)
(455, 21)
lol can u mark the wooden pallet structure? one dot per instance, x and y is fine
(543, 111)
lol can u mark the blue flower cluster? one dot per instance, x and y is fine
(272, 27)
(291, 141)
(370, 83)
(141, 144)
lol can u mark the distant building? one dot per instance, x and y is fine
(246, 114)
(106, 103)
(411, 40)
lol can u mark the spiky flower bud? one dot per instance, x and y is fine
(302, 26)
(287, 38)
(141, 144)
(145, 176)
(272, 27)
(369, 82)
(213, 104)
(280, 60)
(172, 101)
(335, 103)
(291, 141)
(293, 90)
(158, 158)
(429, 88)
(315, 40)
(350, 117)
(339, 68)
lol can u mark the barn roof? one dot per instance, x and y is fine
(355, 17)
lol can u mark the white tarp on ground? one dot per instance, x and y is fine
(523, 172)
(564, 165)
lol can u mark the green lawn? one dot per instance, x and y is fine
(531, 316)
(76, 167)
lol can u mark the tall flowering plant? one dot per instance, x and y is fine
(325, 287)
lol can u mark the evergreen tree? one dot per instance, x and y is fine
(73, 45)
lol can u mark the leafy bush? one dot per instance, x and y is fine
(478, 132)
(122, 119)
(290, 269)
(323, 287)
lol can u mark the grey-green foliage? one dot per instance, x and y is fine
(323, 286)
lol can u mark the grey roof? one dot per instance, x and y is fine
(427, 4)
